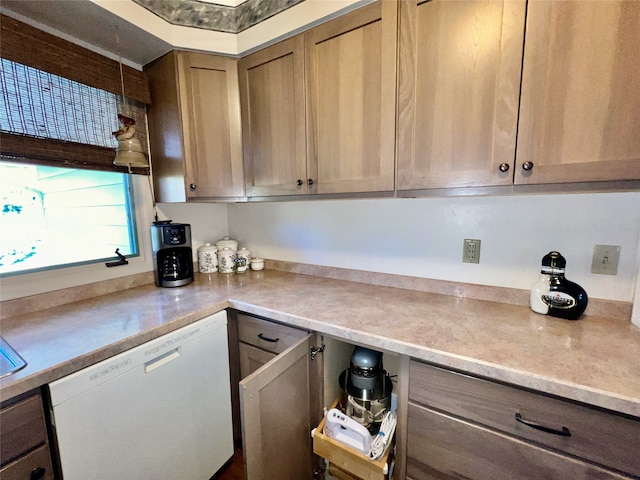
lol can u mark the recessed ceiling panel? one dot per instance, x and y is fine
(213, 16)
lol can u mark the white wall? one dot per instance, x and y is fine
(209, 221)
(423, 237)
(417, 237)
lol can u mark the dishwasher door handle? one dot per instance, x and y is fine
(161, 360)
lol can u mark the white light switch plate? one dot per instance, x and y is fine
(605, 259)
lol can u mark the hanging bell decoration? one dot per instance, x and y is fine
(129, 152)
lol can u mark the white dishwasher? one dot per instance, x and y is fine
(161, 410)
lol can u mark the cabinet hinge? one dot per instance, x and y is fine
(316, 350)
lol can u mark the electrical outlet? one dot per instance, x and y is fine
(605, 259)
(471, 251)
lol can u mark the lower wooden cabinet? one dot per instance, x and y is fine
(24, 452)
(280, 399)
(444, 447)
(464, 427)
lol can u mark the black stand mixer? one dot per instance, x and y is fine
(365, 389)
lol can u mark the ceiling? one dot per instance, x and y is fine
(148, 29)
(85, 21)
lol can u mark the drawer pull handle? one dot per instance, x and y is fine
(267, 339)
(564, 432)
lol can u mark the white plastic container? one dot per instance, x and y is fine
(207, 258)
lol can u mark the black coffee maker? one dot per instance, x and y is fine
(172, 253)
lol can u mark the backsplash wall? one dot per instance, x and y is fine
(423, 237)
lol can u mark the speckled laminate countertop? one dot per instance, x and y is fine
(595, 360)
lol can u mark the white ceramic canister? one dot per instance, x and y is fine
(207, 258)
(257, 263)
(246, 254)
(225, 260)
(227, 242)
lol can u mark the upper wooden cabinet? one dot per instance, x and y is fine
(580, 106)
(459, 79)
(273, 119)
(318, 110)
(194, 127)
(350, 88)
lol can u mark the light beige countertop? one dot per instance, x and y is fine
(595, 360)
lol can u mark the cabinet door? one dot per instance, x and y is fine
(209, 97)
(580, 107)
(351, 101)
(252, 358)
(273, 119)
(280, 404)
(459, 79)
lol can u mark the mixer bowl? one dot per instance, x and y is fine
(367, 406)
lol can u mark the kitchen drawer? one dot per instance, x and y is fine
(35, 465)
(270, 336)
(596, 435)
(23, 428)
(350, 463)
(442, 447)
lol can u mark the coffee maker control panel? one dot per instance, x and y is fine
(174, 234)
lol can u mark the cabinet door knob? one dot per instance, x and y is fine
(299, 182)
(504, 167)
(527, 166)
(37, 473)
(192, 186)
(310, 182)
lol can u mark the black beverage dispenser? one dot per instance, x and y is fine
(172, 253)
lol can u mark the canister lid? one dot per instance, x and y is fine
(227, 242)
(207, 247)
(226, 251)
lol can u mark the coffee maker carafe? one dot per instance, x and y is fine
(172, 253)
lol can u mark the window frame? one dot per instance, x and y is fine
(19, 286)
(132, 234)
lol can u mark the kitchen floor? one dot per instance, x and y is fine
(234, 470)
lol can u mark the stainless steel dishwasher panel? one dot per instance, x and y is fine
(161, 410)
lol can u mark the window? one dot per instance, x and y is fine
(53, 217)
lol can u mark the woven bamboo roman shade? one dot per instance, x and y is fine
(61, 101)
